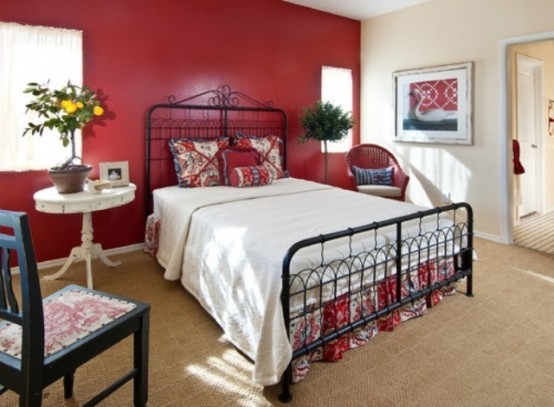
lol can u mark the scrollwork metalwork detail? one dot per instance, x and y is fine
(223, 96)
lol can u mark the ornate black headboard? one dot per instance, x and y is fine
(208, 115)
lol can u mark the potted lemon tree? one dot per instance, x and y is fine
(64, 110)
(325, 122)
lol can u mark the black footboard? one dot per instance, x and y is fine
(409, 259)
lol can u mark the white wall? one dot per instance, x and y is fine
(442, 32)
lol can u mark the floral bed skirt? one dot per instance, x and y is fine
(152, 235)
(349, 308)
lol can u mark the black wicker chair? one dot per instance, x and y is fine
(42, 341)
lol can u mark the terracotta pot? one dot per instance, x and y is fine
(70, 179)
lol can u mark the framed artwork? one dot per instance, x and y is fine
(116, 172)
(434, 105)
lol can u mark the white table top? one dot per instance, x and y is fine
(50, 201)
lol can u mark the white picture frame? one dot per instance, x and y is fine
(434, 104)
(116, 172)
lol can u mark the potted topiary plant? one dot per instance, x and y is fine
(65, 110)
(325, 122)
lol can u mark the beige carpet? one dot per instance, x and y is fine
(536, 232)
(496, 349)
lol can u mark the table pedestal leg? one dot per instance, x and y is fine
(87, 252)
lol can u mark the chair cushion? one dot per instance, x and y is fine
(68, 317)
(380, 190)
(373, 176)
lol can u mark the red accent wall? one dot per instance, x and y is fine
(139, 52)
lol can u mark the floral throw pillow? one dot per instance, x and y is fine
(197, 161)
(376, 176)
(269, 148)
(250, 176)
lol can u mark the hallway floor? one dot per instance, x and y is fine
(536, 232)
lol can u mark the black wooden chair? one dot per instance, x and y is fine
(42, 341)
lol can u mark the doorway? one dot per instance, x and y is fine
(529, 73)
(511, 197)
(528, 132)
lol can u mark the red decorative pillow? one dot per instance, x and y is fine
(197, 161)
(250, 176)
(269, 148)
(237, 158)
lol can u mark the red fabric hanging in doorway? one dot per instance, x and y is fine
(518, 167)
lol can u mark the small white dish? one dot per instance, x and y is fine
(96, 186)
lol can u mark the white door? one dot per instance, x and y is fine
(529, 85)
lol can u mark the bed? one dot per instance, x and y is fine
(292, 270)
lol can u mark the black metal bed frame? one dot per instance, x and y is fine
(397, 258)
(409, 243)
(207, 115)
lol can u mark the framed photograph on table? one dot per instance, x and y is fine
(116, 172)
(434, 105)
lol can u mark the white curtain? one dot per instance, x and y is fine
(34, 54)
(336, 88)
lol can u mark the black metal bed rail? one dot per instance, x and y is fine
(448, 245)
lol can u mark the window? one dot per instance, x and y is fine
(336, 88)
(33, 54)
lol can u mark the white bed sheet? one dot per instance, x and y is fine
(227, 245)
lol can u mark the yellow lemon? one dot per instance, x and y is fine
(79, 105)
(65, 103)
(98, 111)
(70, 107)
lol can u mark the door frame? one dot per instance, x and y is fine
(538, 94)
(506, 203)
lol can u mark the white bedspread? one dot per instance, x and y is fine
(226, 245)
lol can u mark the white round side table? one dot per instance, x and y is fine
(50, 201)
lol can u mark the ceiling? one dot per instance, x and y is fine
(357, 9)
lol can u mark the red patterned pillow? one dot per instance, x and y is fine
(197, 161)
(250, 176)
(238, 158)
(269, 148)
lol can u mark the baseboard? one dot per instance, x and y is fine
(60, 262)
(116, 250)
(487, 236)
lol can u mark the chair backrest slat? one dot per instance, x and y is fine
(4, 265)
(8, 301)
(17, 247)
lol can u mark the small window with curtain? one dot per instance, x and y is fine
(34, 54)
(336, 88)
